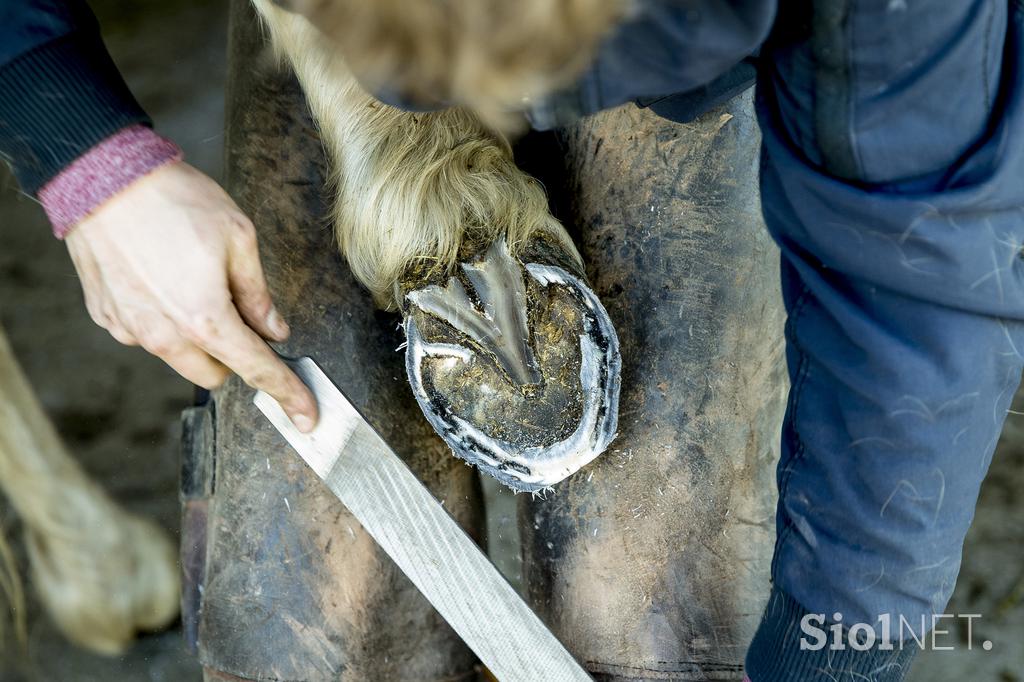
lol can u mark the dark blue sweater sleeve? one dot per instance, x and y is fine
(679, 58)
(60, 92)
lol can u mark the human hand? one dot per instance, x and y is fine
(171, 263)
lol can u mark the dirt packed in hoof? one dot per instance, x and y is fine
(481, 389)
(481, 393)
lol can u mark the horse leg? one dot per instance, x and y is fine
(101, 573)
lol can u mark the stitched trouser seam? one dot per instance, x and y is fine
(796, 391)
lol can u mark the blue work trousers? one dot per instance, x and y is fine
(893, 182)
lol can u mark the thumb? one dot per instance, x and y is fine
(249, 289)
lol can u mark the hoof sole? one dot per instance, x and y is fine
(516, 365)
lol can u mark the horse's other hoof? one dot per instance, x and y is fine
(106, 575)
(515, 363)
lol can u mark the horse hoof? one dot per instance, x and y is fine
(105, 577)
(515, 363)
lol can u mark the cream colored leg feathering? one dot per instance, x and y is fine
(101, 573)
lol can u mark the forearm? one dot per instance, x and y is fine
(60, 93)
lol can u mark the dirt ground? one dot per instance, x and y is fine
(118, 408)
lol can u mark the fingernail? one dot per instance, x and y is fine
(303, 423)
(277, 324)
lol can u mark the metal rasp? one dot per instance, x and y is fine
(422, 539)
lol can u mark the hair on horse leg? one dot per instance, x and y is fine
(101, 572)
(414, 191)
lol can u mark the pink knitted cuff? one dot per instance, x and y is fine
(102, 172)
